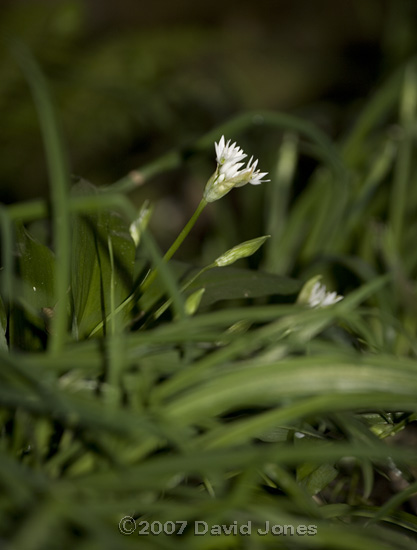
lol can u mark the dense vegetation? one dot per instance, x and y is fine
(194, 391)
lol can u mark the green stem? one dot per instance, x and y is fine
(399, 193)
(177, 243)
(6, 285)
(112, 297)
(184, 287)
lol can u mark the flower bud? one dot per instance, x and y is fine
(242, 250)
(193, 301)
(141, 222)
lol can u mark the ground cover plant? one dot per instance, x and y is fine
(147, 401)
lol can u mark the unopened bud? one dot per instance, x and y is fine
(193, 301)
(242, 250)
(141, 222)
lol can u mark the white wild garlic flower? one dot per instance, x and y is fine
(229, 172)
(319, 297)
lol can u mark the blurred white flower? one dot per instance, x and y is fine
(319, 297)
(229, 172)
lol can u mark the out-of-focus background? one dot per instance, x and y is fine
(134, 79)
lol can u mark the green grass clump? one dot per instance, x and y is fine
(216, 398)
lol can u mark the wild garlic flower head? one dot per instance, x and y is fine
(319, 297)
(229, 172)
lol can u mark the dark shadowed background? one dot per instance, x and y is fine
(134, 79)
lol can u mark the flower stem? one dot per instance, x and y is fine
(184, 287)
(177, 243)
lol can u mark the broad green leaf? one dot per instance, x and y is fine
(328, 376)
(274, 435)
(36, 267)
(223, 283)
(228, 283)
(91, 269)
(3, 326)
(315, 478)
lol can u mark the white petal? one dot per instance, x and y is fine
(256, 178)
(319, 296)
(253, 166)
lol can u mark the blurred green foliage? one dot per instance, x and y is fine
(131, 87)
(250, 406)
